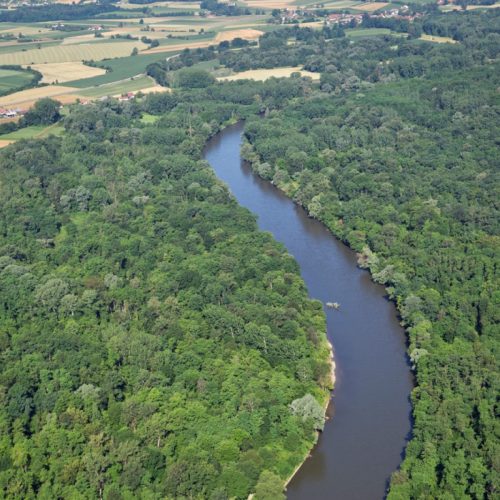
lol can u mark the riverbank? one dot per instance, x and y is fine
(326, 404)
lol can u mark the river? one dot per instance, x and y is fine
(363, 442)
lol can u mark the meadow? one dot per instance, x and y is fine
(33, 132)
(12, 79)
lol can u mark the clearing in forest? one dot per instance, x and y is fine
(264, 74)
(155, 88)
(437, 39)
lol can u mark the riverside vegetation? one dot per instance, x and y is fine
(154, 343)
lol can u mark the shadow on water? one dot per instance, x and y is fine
(364, 441)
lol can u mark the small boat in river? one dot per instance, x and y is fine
(333, 305)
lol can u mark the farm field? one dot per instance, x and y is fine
(371, 7)
(342, 4)
(27, 30)
(179, 45)
(122, 68)
(59, 55)
(11, 79)
(269, 4)
(32, 95)
(366, 32)
(84, 38)
(264, 74)
(70, 53)
(246, 34)
(437, 39)
(66, 71)
(118, 88)
(12, 46)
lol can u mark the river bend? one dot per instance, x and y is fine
(363, 442)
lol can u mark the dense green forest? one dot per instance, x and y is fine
(399, 158)
(55, 12)
(152, 341)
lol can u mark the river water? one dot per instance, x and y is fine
(363, 442)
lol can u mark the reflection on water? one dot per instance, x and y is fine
(362, 444)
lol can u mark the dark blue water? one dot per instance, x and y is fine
(363, 442)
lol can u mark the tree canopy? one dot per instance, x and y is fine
(400, 161)
(151, 338)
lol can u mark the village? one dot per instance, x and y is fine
(292, 15)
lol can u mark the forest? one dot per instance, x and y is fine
(155, 344)
(152, 340)
(55, 12)
(401, 163)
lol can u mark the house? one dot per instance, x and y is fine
(11, 113)
(333, 18)
(129, 96)
(344, 19)
(288, 16)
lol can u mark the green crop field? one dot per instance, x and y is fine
(122, 68)
(11, 79)
(138, 83)
(366, 32)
